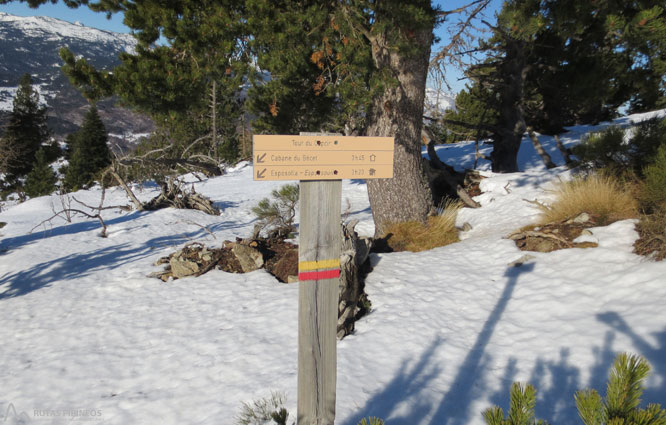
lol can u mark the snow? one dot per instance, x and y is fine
(85, 330)
(56, 29)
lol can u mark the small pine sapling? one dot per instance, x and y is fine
(521, 410)
(266, 411)
(41, 180)
(623, 397)
(371, 421)
(277, 216)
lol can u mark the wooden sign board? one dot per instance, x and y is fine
(322, 157)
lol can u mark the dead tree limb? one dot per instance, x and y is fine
(449, 175)
(538, 147)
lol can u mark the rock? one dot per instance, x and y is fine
(249, 258)
(522, 260)
(466, 227)
(181, 267)
(286, 266)
(580, 219)
(292, 279)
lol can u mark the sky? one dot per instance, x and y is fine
(115, 24)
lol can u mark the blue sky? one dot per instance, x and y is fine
(99, 20)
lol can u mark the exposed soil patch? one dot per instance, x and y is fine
(555, 236)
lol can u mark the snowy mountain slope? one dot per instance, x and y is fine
(31, 45)
(451, 328)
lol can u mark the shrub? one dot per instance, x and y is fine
(41, 179)
(619, 151)
(605, 149)
(521, 409)
(654, 192)
(600, 196)
(623, 396)
(439, 230)
(277, 217)
(265, 411)
(621, 405)
(371, 421)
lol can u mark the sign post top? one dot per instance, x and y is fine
(315, 157)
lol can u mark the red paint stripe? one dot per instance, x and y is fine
(320, 275)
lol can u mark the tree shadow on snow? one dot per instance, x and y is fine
(455, 408)
(558, 381)
(68, 267)
(66, 229)
(78, 265)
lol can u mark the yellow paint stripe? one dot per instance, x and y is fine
(316, 265)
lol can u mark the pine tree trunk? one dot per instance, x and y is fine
(398, 112)
(509, 133)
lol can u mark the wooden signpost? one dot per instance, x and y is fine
(320, 162)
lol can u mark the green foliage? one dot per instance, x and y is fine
(521, 409)
(617, 150)
(190, 83)
(620, 407)
(623, 393)
(371, 421)
(277, 216)
(654, 193)
(475, 108)
(265, 411)
(25, 133)
(605, 149)
(89, 153)
(41, 179)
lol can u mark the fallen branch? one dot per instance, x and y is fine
(448, 173)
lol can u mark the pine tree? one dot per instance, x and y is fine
(364, 61)
(89, 153)
(41, 180)
(26, 131)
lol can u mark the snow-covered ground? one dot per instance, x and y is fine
(85, 331)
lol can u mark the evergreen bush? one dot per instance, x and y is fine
(620, 407)
(42, 179)
(623, 397)
(25, 133)
(605, 149)
(277, 217)
(618, 151)
(266, 411)
(521, 409)
(89, 153)
(371, 421)
(654, 193)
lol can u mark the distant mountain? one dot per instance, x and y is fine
(31, 44)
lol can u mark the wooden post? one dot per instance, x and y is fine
(319, 276)
(327, 158)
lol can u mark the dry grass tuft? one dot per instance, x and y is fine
(413, 236)
(603, 197)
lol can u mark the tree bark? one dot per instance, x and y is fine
(398, 112)
(540, 150)
(509, 132)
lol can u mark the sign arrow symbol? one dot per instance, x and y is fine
(260, 159)
(261, 174)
